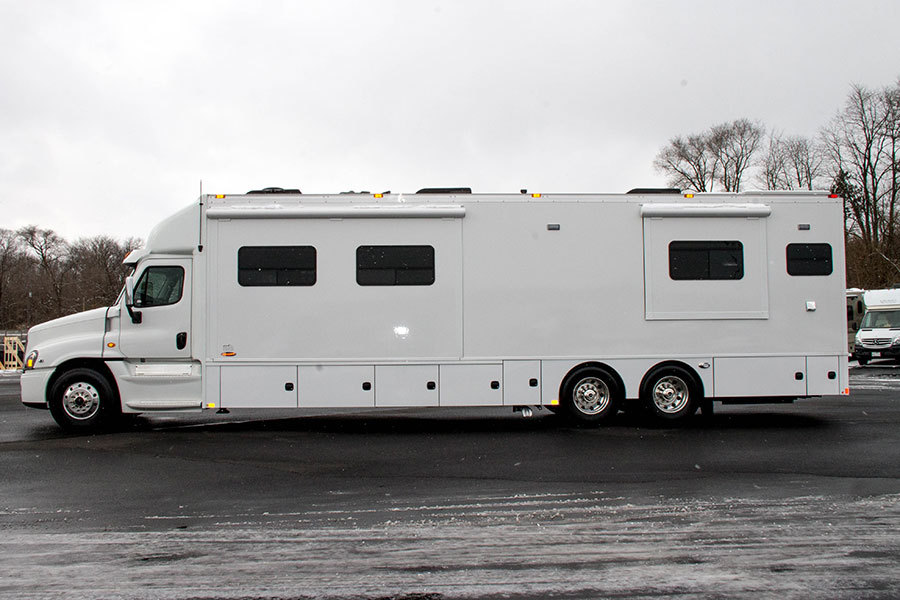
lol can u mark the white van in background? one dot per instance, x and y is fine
(879, 330)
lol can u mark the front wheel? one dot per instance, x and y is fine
(671, 394)
(590, 396)
(83, 400)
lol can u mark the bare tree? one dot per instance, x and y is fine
(12, 294)
(97, 261)
(42, 276)
(792, 163)
(733, 145)
(51, 252)
(721, 155)
(863, 142)
(773, 165)
(804, 163)
(688, 163)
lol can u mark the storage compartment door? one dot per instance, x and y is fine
(258, 387)
(766, 376)
(471, 385)
(822, 376)
(521, 382)
(406, 385)
(339, 387)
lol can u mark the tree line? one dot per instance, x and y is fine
(43, 276)
(856, 155)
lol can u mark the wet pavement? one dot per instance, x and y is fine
(769, 501)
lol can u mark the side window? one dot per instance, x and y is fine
(706, 260)
(159, 286)
(276, 266)
(809, 259)
(395, 265)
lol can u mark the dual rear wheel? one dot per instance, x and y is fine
(592, 394)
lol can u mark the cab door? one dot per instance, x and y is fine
(162, 296)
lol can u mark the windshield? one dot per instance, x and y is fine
(881, 319)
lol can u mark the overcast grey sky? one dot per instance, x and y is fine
(112, 112)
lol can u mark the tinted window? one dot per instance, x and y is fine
(395, 265)
(692, 260)
(276, 265)
(159, 286)
(809, 259)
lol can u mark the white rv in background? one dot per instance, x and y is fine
(856, 308)
(879, 329)
(588, 304)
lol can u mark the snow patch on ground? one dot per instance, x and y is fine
(524, 546)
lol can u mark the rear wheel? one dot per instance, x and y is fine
(671, 394)
(83, 400)
(590, 395)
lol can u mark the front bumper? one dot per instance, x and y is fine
(878, 352)
(34, 387)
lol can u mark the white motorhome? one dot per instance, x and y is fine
(879, 330)
(856, 308)
(587, 304)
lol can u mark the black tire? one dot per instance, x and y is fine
(862, 360)
(590, 395)
(83, 400)
(671, 394)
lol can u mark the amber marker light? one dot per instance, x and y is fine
(229, 354)
(554, 403)
(211, 405)
(379, 195)
(688, 195)
(110, 344)
(535, 195)
(220, 196)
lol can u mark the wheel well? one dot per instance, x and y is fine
(620, 385)
(82, 363)
(698, 383)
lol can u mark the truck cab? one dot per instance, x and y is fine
(91, 367)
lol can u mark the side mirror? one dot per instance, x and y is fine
(129, 291)
(136, 316)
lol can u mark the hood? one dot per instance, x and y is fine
(83, 323)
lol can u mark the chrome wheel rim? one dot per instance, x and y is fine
(81, 401)
(671, 394)
(591, 396)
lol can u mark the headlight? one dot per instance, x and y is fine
(30, 361)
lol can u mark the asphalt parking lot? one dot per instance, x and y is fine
(770, 501)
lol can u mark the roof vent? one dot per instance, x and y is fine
(456, 190)
(654, 191)
(274, 190)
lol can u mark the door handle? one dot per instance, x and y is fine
(181, 340)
